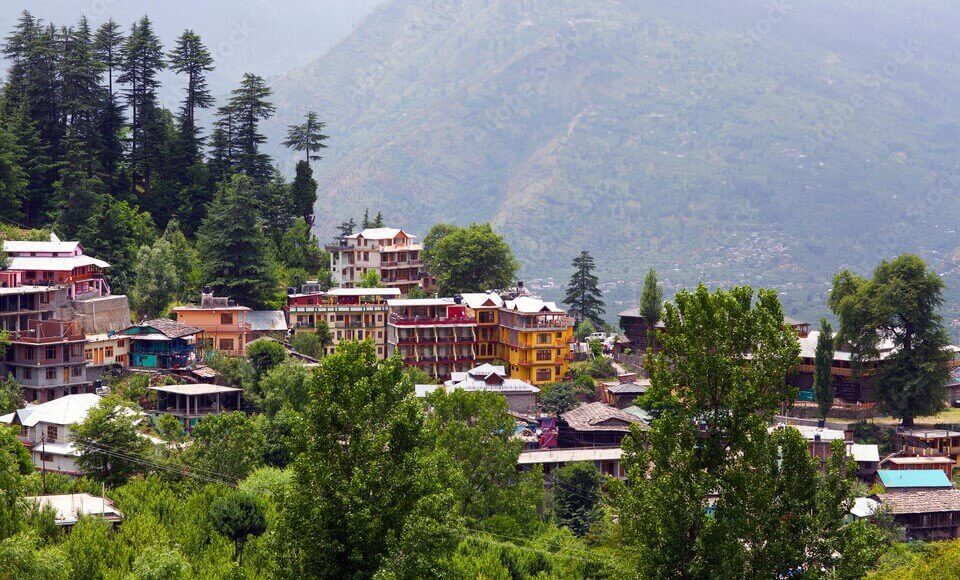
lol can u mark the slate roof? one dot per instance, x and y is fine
(637, 387)
(169, 328)
(599, 417)
(921, 502)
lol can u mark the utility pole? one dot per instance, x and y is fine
(43, 461)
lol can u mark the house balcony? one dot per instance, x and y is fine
(554, 323)
(235, 327)
(398, 320)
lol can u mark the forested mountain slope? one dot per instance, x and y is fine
(752, 141)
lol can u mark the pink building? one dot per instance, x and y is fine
(57, 263)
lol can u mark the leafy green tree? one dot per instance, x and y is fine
(651, 305)
(584, 329)
(78, 195)
(170, 429)
(472, 259)
(184, 260)
(237, 261)
(11, 391)
(299, 248)
(227, 446)
(161, 563)
(237, 517)
(900, 303)
(822, 361)
(25, 559)
(307, 343)
(155, 281)
(436, 233)
(114, 233)
(265, 354)
(87, 547)
(285, 385)
(15, 462)
(576, 496)
(370, 279)
(583, 293)
(416, 292)
(307, 138)
(303, 192)
(364, 498)
(249, 105)
(474, 434)
(111, 450)
(713, 493)
(559, 398)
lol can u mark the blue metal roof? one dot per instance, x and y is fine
(891, 478)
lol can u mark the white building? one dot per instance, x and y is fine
(45, 428)
(389, 251)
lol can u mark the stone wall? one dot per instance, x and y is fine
(102, 315)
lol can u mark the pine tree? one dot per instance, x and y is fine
(223, 157)
(823, 359)
(191, 57)
(378, 221)
(236, 257)
(366, 219)
(249, 106)
(583, 295)
(107, 45)
(307, 137)
(81, 94)
(303, 192)
(274, 205)
(114, 233)
(78, 194)
(347, 228)
(141, 62)
(651, 306)
(13, 177)
(16, 48)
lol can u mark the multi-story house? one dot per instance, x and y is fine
(48, 360)
(105, 352)
(350, 314)
(160, 344)
(45, 429)
(437, 335)
(58, 263)
(223, 323)
(535, 338)
(485, 307)
(20, 303)
(391, 252)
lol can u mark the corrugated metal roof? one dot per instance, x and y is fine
(934, 478)
(267, 320)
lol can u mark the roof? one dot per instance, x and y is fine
(422, 391)
(54, 246)
(66, 410)
(599, 417)
(638, 387)
(211, 308)
(810, 433)
(935, 478)
(54, 263)
(921, 502)
(421, 302)
(643, 414)
(531, 305)
(635, 313)
(537, 456)
(25, 289)
(482, 300)
(167, 328)
(267, 321)
(68, 506)
(198, 389)
(491, 378)
(922, 460)
(864, 507)
(363, 292)
(863, 453)
(808, 348)
(793, 321)
(928, 433)
(378, 234)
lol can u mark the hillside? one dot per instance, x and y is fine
(724, 144)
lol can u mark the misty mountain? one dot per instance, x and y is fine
(753, 141)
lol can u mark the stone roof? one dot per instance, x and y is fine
(169, 328)
(599, 417)
(921, 502)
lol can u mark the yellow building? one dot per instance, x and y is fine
(535, 338)
(485, 307)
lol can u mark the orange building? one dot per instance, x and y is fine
(224, 324)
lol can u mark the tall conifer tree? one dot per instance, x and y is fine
(583, 294)
(249, 105)
(191, 58)
(141, 62)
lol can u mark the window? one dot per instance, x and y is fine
(544, 375)
(226, 344)
(121, 344)
(76, 371)
(486, 317)
(50, 352)
(543, 355)
(88, 354)
(27, 373)
(51, 374)
(543, 339)
(108, 352)
(226, 318)
(52, 432)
